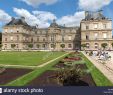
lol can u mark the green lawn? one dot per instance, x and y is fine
(22, 81)
(98, 77)
(27, 58)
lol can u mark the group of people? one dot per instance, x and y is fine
(102, 55)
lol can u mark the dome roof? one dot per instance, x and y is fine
(54, 24)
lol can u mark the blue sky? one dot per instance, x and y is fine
(42, 12)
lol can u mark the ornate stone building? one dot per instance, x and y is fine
(94, 30)
(18, 32)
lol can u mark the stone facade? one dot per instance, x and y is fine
(51, 38)
(94, 30)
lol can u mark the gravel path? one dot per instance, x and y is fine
(106, 69)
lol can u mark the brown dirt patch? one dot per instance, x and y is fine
(11, 74)
(48, 78)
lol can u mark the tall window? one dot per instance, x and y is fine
(31, 39)
(69, 37)
(5, 39)
(104, 26)
(44, 39)
(11, 30)
(87, 37)
(52, 38)
(38, 39)
(96, 36)
(69, 45)
(5, 30)
(87, 27)
(63, 38)
(44, 46)
(95, 26)
(104, 35)
(17, 38)
(11, 38)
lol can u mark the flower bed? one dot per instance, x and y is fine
(72, 59)
(75, 52)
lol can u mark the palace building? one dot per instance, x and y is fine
(94, 30)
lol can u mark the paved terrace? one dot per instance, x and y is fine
(106, 69)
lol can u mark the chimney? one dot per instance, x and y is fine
(23, 19)
(86, 13)
(36, 25)
(100, 11)
(12, 18)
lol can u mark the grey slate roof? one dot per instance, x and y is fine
(95, 16)
(20, 21)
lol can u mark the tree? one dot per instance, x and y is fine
(104, 45)
(1, 45)
(62, 46)
(112, 45)
(13, 46)
(83, 46)
(0, 37)
(38, 46)
(30, 46)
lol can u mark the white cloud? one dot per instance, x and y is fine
(41, 18)
(4, 17)
(72, 20)
(44, 16)
(35, 3)
(93, 4)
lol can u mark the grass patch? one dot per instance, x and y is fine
(30, 76)
(27, 58)
(98, 77)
